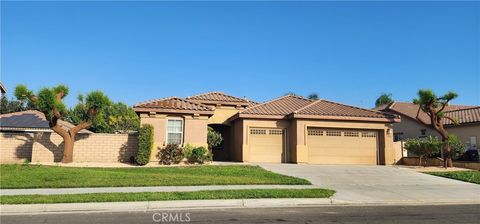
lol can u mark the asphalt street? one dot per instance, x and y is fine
(327, 214)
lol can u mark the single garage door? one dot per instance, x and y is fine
(267, 145)
(342, 146)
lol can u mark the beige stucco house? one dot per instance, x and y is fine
(289, 129)
(467, 128)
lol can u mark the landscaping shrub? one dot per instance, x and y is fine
(187, 150)
(457, 147)
(426, 147)
(171, 154)
(214, 138)
(200, 155)
(145, 144)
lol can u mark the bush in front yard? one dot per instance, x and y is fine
(187, 150)
(200, 155)
(171, 154)
(145, 144)
(426, 147)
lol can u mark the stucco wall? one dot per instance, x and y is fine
(222, 114)
(464, 132)
(412, 129)
(48, 147)
(195, 130)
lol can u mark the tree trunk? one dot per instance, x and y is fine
(68, 142)
(448, 154)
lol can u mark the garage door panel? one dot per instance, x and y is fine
(342, 146)
(266, 144)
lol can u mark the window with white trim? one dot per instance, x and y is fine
(175, 131)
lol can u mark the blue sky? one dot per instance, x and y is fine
(348, 52)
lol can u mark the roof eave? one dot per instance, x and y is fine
(347, 118)
(260, 116)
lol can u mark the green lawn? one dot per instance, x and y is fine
(162, 196)
(36, 176)
(467, 176)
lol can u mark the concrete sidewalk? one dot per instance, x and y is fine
(195, 204)
(47, 191)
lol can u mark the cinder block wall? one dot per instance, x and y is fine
(15, 147)
(48, 146)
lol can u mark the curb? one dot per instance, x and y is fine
(157, 205)
(146, 206)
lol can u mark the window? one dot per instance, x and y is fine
(275, 132)
(369, 134)
(473, 142)
(314, 132)
(397, 137)
(351, 134)
(258, 131)
(333, 133)
(175, 131)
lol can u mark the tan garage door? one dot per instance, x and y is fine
(266, 145)
(342, 146)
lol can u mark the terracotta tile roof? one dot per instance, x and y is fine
(282, 106)
(292, 106)
(324, 108)
(173, 105)
(463, 116)
(219, 98)
(30, 120)
(410, 110)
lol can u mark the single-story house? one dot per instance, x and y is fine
(29, 121)
(467, 117)
(289, 129)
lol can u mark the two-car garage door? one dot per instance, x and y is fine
(342, 146)
(325, 146)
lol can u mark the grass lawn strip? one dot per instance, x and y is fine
(163, 196)
(37, 176)
(467, 176)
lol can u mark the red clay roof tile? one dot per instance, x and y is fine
(220, 98)
(173, 105)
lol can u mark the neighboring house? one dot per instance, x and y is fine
(467, 128)
(3, 90)
(287, 129)
(29, 121)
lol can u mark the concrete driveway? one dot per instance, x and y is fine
(381, 184)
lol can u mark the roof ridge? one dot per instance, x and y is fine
(169, 98)
(273, 100)
(22, 112)
(308, 105)
(360, 108)
(200, 94)
(458, 105)
(222, 93)
(461, 109)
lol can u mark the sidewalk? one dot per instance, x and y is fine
(47, 191)
(31, 209)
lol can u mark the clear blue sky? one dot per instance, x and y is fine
(348, 52)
